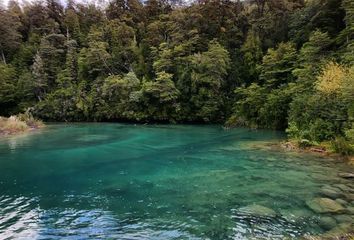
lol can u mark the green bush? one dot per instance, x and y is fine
(342, 146)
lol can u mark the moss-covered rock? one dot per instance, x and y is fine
(331, 192)
(325, 205)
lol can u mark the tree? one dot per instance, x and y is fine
(277, 65)
(252, 55)
(160, 97)
(331, 79)
(209, 70)
(163, 59)
(71, 65)
(266, 104)
(122, 46)
(72, 25)
(323, 115)
(346, 37)
(322, 15)
(10, 38)
(94, 61)
(51, 54)
(312, 55)
(7, 88)
(117, 92)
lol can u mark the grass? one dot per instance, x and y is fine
(18, 124)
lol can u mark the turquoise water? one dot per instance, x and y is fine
(117, 181)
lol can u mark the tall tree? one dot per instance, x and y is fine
(10, 38)
(209, 70)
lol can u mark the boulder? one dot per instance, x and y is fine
(258, 211)
(331, 192)
(325, 205)
(340, 230)
(344, 188)
(327, 223)
(350, 197)
(341, 201)
(351, 210)
(344, 219)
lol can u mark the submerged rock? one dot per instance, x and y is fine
(296, 215)
(350, 197)
(340, 230)
(344, 219)
(258, 211)
(341, 201)
(351, 210)
(331, 192)
(325, 205)
(327, 222)
(344, 188)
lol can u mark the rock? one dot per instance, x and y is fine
(258, 211)
(351, 210)
(346, 175)
(341, 201)
(340, 230)
(344, 219)
(331, 192)
(296, 215)
(325, 205)
(327, 223)
(350, 197)
(344, 188)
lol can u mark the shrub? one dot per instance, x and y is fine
(30, 120)
(12, 125)
(342, 146)
(20, 123)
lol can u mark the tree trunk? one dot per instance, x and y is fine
(3, 56)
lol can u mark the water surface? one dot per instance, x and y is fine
(117, 181)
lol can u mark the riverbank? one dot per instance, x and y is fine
(323, 149)
(19, 124)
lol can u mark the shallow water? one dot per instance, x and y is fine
(117, 181)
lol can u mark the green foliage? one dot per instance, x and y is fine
(311, 58)
(268, 64)
(9, 31)
(266, 104)
(252, 55)
(94, 60)
(277, 65)
(118, 95)
(208, 71)
(7, 88)
(342, 146)
(317, 117)
(247, 108)
(160, 97)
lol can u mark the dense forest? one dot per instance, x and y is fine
(277, 64)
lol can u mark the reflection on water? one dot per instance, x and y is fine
(115, 181)
(22, 220)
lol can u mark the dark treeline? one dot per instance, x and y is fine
(278, 64)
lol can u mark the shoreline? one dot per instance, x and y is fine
(20, 124)
(4, 134)
(320, 150)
